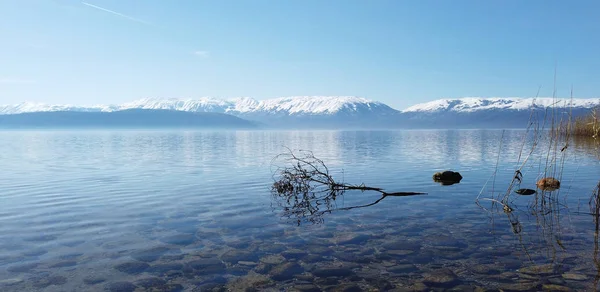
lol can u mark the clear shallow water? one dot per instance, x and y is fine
(192, 211)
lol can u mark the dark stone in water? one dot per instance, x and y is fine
(120, 287)
(286, 271)
(49, 281)
(332, 272)
(23, 268)
(447, 177)
(149, 255)
(179, 239)
(64, 264)
(164, 268)
(208, 266)
(234, 256)
(91, 280)
(525, 192)
(132, 267)
(150, 282)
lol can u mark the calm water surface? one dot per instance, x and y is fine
(193, 211)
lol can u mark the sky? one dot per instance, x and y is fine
(400, 52)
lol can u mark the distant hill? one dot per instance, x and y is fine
(132, 118)
(317, 112)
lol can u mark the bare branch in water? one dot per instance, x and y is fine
(305, 189)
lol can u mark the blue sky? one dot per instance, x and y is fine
(400, 52)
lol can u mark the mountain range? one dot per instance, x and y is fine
(324, 112)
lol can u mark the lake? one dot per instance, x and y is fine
(194, 211)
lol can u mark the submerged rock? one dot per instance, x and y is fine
(447, 177)
(10, 282)
(548, 184)
(286, 271)
(92, 280)
(64, 264)
(538, 269)
(441, 277)
(574, 276)
(353, 239)
(251, 282)
(120, 287)
(350, 287)
(164, 268)
(553, 287)
(49, 281)
(233, 256)
(208, 266)
(132, 267)
(24, 268)
(273, 259)
(294, 254)
(332, 272)
(149, 255)
(179, 239)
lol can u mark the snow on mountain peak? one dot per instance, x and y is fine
(287, 105)
(470, 104)
(311, 104)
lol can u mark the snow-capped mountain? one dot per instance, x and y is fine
(472, 104)
(29, 107)
(344, 111)
(299, 105)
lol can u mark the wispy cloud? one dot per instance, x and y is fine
(117, 13)
(16, 81)
(203, 54)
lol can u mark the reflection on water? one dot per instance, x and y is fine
(192, 211)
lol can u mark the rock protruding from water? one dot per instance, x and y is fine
(525, 192)
(548, 184)
(447, 177)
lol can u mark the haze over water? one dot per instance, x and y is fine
(192, 211)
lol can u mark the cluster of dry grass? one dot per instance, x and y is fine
(588, 126)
